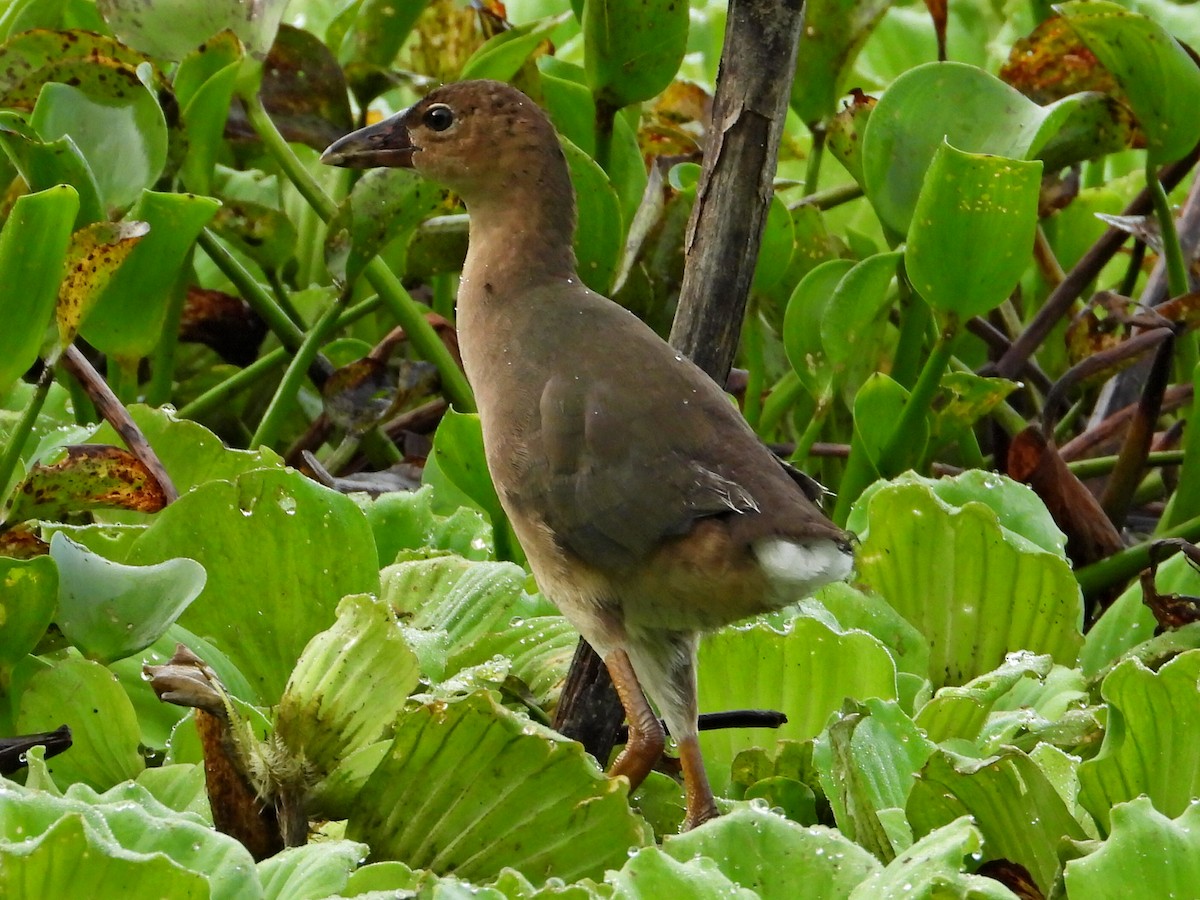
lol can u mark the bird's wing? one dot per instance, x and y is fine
(612, 480)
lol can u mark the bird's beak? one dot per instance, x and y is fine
(385, 143)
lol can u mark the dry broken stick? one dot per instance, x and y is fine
(237, 809)
(118, 417)
(1171, 611)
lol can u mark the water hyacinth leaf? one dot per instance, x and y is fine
(48, 865)
(458, 463)
(600, 235)
(104, 729)
(628, 65)
(976, 588)
(805, 671)
(802, 323)
(33, 252)
(348, 686)
(170, 29)
(96, 253)
(28, 596)
(877, 408)
(204, 85)
(304, 89)
(1123, 867)
(405, 521)
(110, 611)
(90, 476)
(470, 787)
(933, 867)
(857, 310)
(774, 857)
(834, 32)
(950, 103)
(972, 230)
(118, 126)
(129, 316)
(1153, 720)
(844, 136)
(262, 232)
(272, 541)
(191, 454)
(503, 55)
(30, 59)
(385, 205)
(778, 244)
(1021, 815)
(46, 165)
(1159, 78)
(963, 399)
(651, 873)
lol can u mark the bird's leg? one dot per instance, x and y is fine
(700, 803)
(646, 738)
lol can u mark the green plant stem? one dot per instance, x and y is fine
(1185, 502)
(402, 306)
(752, 348)
(783, 397)
(24, 427)
(1177, 280)
(812, 430)
(812, 171)
(268, 428)
(830, 197)
(1102, 465)
(220, 394)
(606, 120)
(1125, 564)
(280, 323)
(122, 376)
(901, 445)
(162, 363)
(913, 329)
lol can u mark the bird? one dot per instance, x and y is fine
(648, 509)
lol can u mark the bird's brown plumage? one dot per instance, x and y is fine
(647, 507)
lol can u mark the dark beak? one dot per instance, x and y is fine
(385, 143)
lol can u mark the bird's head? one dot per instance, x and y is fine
(459, 135)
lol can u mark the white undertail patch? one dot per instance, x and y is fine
(803, 567)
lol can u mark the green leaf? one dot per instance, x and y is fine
(632, 48)
(1160, 80)
(834, 32)
(310, 872)
(452, 601)
(45, 165)
(33, 251)
(1144, 848)
(774, 857)
(933, 867)
(406, 520)
(961, 712)
(598, 239)
(652, 873)
(805, 670)
(976, 589)
(28, 596)
(868, 760)
(1021, 815)
(1153, 722)
(118, 126)
(471, 788)
(459, 459)
(348, 686)
(540, 650)
(104, 729)
(946, 103)
(276, 545)
(972, 230)
(502, 55)
(802, 323)
(90, 476)
(128, 320)
(877, 408)
(110, 611)
(97, 252)
(170, 30)
(385, 205)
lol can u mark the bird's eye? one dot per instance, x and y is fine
(439, 117)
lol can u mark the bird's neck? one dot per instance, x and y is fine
(521, 236)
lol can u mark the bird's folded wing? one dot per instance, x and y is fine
(612, 480)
